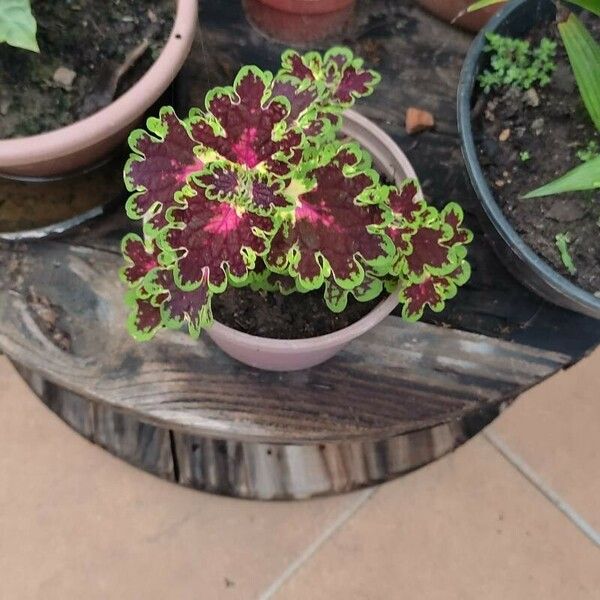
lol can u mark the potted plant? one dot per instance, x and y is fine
(70, 94)
(528, 105)
(268, 201)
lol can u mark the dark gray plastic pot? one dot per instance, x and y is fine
(515, 20)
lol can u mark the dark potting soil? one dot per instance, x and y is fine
(551, 133)
(294, 316)
(90, 38)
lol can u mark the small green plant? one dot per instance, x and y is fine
(17, 25)
(524, 155)
(591, 151)
(562, 243)
(517, 63)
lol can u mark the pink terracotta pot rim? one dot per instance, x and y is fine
(111, 119)
(291, 346)
(372, 136)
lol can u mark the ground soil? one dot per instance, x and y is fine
(295, 316)
(551, 133)
(88, 37)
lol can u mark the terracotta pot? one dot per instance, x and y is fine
(292, 355)
(83, 143)
(308, 7)
(288, 28)
(449, 9)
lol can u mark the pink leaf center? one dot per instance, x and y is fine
(315, 214)
(225, 221)
(244, 150)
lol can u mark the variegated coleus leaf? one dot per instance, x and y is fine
(162, 160)
(335, 225)
(318, 88)
(158, 303)
(341, 75)
(154, 299)
(140, 258)
(432, 291)
(430, 250)
(264, 280)
(245, 125)
(211, 242)
(336, 297)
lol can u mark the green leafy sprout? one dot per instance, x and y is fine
(18, 26)
(517, 63)
(562, 243)
(591, 151)
(524, 155)
(584, 55)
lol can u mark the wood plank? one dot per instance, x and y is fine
(400, 377)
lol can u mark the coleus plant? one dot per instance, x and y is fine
(260, 189)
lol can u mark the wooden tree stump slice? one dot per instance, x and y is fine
(396, 399)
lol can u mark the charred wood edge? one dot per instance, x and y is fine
(254, 470)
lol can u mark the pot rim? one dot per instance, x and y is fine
(382, 310)
(588, 303)
(112, 118)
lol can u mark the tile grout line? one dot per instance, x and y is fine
(528, 473)
(314, 547)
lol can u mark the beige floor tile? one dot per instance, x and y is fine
(555, 428)
(469, 527)
(77, 523)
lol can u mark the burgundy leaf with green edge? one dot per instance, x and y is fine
(180, 307)
(220, 181)
(163, 158)
(336, 297)
(452, 215)
(159, 303)
(139, 259)
(434, 244)
(264, 280)
(243, 125)
(432, 291)
(406, 203)
(339, 70)
(330, 231)
(213, 240)
(144, 317)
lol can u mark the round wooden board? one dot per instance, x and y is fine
(397, 398)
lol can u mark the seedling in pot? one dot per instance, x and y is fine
(591, 151)
(584, 55)
(259, 189)
(17, 25)
(562, 243)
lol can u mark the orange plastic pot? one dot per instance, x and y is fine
(448, 10)
(88, 141)
(288, 28)
(308, 7)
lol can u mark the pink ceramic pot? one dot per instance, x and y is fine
(83, 143)
(292, 355)
(308, 7)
